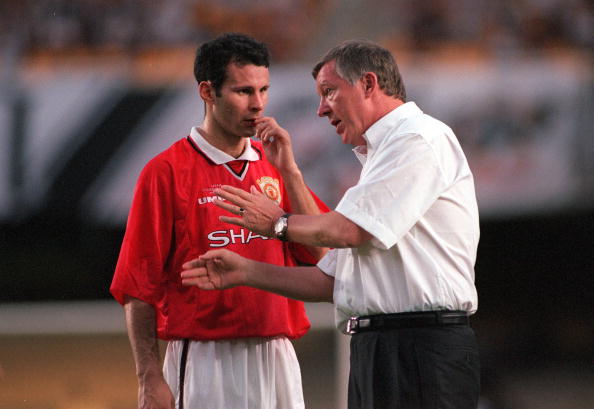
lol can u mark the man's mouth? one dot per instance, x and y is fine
(336, 123)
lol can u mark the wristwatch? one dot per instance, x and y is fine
(280, 227)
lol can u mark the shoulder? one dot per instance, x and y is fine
(425, 125)
(423, 130)
(167, 161)
(440, 142)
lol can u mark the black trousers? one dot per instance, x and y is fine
(415, 368)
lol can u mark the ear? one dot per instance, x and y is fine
(206, 91)
(369, 82)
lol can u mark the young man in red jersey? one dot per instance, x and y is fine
(229, 348)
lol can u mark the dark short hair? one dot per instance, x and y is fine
(213, 57)
(356, 57)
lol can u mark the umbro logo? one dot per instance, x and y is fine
(208, 199)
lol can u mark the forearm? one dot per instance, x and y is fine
(141, 325)
(302, 202)
(300, 283)
(330, 229)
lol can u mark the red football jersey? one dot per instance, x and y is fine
(173, 220)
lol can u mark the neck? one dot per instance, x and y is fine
(380, 105)
(230, 144)
(385, 105)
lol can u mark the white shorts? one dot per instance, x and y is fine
(247, 373)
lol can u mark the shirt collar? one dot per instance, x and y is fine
(361, 153)
(218, 156)
(385, 124)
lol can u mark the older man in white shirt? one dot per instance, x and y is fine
(401, 274)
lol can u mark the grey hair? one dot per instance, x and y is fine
(356, 57)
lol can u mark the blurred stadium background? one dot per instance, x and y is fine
(92, 89)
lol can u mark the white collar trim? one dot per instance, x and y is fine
(218, 156)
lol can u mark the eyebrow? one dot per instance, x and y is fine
(325, 82)
(237, 87)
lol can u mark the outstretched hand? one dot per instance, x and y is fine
(255, 210)
(215, 270)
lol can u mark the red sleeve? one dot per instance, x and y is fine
(148, 237)
(299, 251)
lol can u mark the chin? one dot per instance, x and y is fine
(345, 139)
(246, 133)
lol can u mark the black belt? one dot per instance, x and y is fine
(406, 320)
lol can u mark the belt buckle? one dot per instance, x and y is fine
(352, 325)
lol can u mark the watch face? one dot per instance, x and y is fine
(278, 226)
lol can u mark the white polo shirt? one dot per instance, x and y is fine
(416, 197)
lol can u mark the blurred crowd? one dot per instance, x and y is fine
(131, 25)
(289, 26)
(494, 25)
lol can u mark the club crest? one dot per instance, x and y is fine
(270, 187)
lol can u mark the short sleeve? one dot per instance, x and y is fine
(398, 186)
(140, 268)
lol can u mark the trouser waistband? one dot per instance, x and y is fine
(406, 320)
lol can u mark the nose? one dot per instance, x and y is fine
(257, 102)
(323, 108)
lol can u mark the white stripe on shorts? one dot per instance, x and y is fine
(246, 373)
